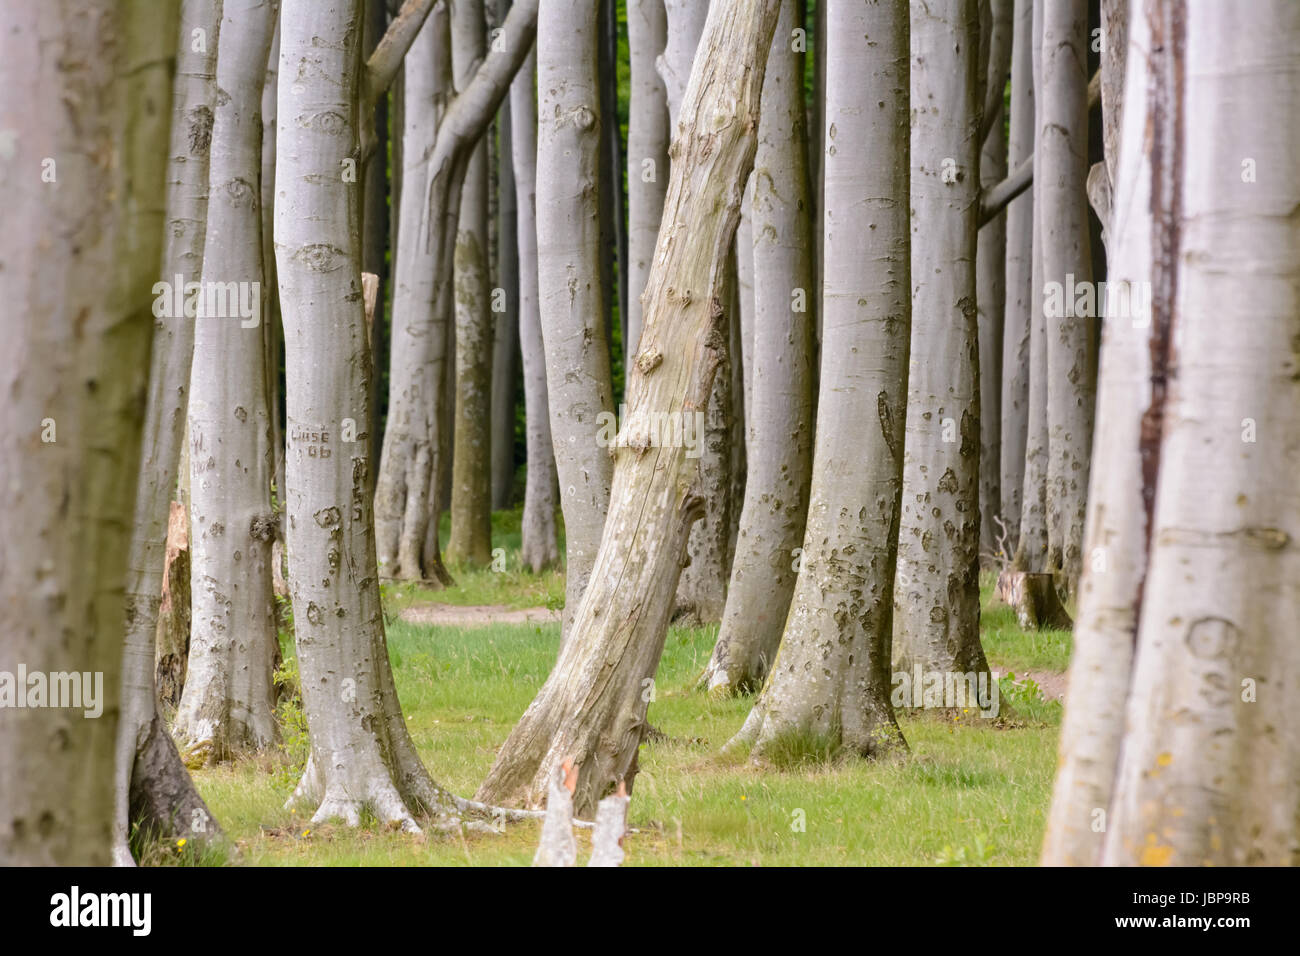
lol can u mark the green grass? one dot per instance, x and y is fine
(967, 791)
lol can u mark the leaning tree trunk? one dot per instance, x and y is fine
(505, 341)
(1019, 293)
(471, 482)
(227, 707)
(1131, 399)
(1061, 167)
(647, 151)
(568, 272)
(149, 773)
(408, 494)
(1209, 771)
(830, 680)
(593, 706)
(936, 601)
(361, 753)
(538, 548)
(990, 279)
(86, 90)
(778, 406)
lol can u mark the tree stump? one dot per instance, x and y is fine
(1034, 597)
(172, 642)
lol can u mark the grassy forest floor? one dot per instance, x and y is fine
(971, 791)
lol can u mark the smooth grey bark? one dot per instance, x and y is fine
(1110, 87)
(1031, 542)
(1131, 399)
(745, 280)
(778, 406)
(140, 731)
(1209, 771)
(79, 82)
(227, 706)
(647, 151)
(374, 217)
(505, 341)
(1014, 400)
(1061, 161)
(568, 271)
(830, 680)
(408, 494)
(592, 708)
(990, 280)
(539, 547)
(272, 331)
(470, 541)
(361, 753)
(685, 26)
(936, 598)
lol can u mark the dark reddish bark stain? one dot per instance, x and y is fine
(1165, 116)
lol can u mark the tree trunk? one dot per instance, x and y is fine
(505, 348)
(990, 281)
(272, 331)
(936, 600)
(471, 481)
(86, 91)
(1019, 292)
(779, 406)
(1209, 769)
(361, 753)
(227, 706)
(172, 640)
(408, 497)
(146, 584)
(1061, 163)
(619, 629)
(830, 680)
(568, 271)
(374, 223)
(647, 152)
(1031, 542)
(539, 548)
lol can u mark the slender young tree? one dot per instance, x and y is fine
(830, 679)
(151, 784)
(592, 708)
(408, 495)
(936, 599)
(647, 151)
(1061, 166)
(1014, 401)
(779, 409)
(539, 548)
(990, 278)
(471, 484)
(86, 90)
(227, 706)
(505, 307)
(568, 272)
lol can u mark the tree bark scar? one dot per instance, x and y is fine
(1165, 111)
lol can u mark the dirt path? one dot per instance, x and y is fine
(477, 615)
(1052, 683)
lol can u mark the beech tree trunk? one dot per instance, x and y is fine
(1061, 167)
(539, 548)
(140, 730)
(778, 407)
(1019, 291)
(568, 271)
(80, 82)
(471, 482)
(227, 707)
(408, 496)
(361, 752)
(647, 151)
(830, 680)
(618, 631)
(936, 600)
(505, 317)
(990, 279)
(374, 221)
